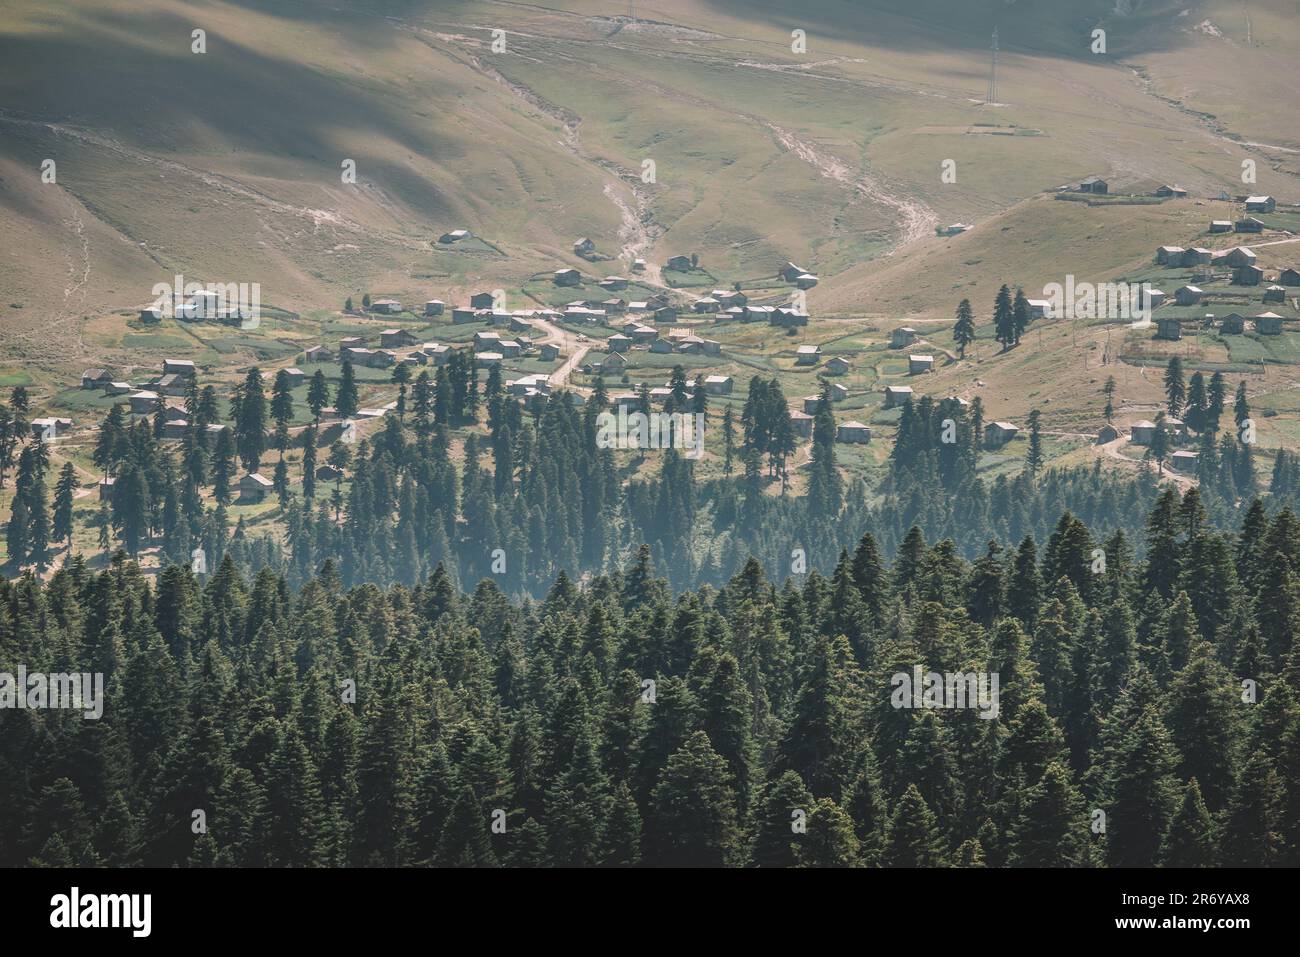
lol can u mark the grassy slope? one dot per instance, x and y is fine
(225, 167)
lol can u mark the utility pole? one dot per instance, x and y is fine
(992, 96)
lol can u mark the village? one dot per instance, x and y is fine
(627, 334)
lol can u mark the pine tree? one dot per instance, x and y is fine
(1175, 387)
(1004, 319)
(914, 836)
(963, 333)
(346, 401)
(694, 815)
(1191, 838)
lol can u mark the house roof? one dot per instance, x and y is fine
(256, 478)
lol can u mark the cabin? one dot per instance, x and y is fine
(296, 377)
(396, 339)
(810, 403)
(919, 364)
(613, 283)
(170, 384)
(435, 307)
(853, 432)
(730, 297)
(1197, 256)
(1248, 276)
(460, 316)
(387, 307)
(614, 362)
(520, 324)
(568, 277)
(997, 434)
(482, 300)
(1220, 225)
(317, 354)
(690, 345)
(787, 318)
(951, 230)
(486, 340)
(511, 348)
(801, 423)
(897, 395)
(118, 388)
(1240, 256)
(1289, 277)
(1142, 432)
(152, 314)
(143, 402)
(837, 365)
(179, 367)
(351, 342)
(583, 247)
(548, 351)
(439, 353)
(901, 337)
(706, 305)
(1107, 433)
(1169, 255)
(486, 360)
(1039, 308)
(1154, 297)
(329, 473)
(1094, 185)
(838, 392)
(660, 346)
(106, 489)
(1268, 324)
(95, 378)
(718, 384)
(807, 355)
(1275, 293)
(1170, 329)
(1260, 204)
(1232, 324)
(371, 358)
(679, 264)
(1183, 461)
(455, 236)
(1188, 295)
(1248, 225)
(790, 272)
(49, 427)
(1170, 192)
(806, 281)
(638, 265)
(253, 487)
(175, 429)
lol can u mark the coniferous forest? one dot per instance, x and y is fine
(660, 671)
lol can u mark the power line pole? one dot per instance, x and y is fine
(992, 96)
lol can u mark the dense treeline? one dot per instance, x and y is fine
(358, 726)
(470, 479)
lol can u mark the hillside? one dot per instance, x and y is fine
(228, 166)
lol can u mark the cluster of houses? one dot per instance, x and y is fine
(1265, 323)
(1240, 262)
(680, 340)
(172, 383)
(1143, 432)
